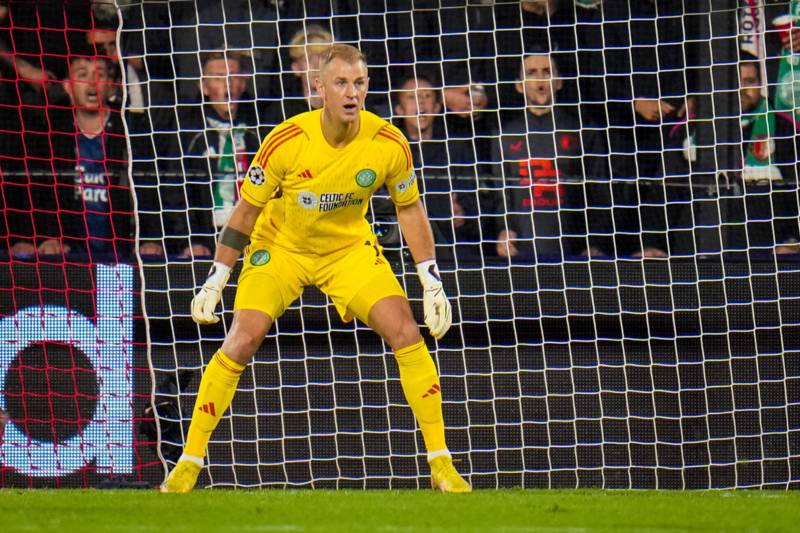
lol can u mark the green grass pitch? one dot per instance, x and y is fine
(405, 511)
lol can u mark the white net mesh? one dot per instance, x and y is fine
(622, 264)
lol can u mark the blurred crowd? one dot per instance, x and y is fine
(541, 130)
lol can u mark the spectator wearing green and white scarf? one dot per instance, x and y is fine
(769, 167)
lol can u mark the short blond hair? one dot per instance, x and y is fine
(347, 53)
(312, 40)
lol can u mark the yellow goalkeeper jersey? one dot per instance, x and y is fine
(315, 196)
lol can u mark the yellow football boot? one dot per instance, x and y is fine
(445, 477)
(182, 478)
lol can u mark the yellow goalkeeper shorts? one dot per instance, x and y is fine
(354, 278)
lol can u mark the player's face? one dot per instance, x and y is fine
(540, 82)
(223, 84)
(418, 104)
(343, 88)
(750, 87)
(89, 85)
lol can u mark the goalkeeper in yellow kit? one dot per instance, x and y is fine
(302, 222)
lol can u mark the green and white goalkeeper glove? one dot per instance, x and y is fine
(205, 301)
(438, 314)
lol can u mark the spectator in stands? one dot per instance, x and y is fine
(465, 100)
(83, 202)
(660, 93)
(773, 42)
(545, 156)
(146, 52)
(34, 41)
(104, 42)
(304, 53)
(769, 175)
(32, 47)
(150, 116)
(451, 199)
(418, 107)
(650, 99)
(230, 25)
(217, 145)
(566, 29)
(470, 123)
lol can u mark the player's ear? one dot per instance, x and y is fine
(519, 87)
(317, 80)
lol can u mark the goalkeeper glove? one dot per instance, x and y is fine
(438, 315)
(205, 301)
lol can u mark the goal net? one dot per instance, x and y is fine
(614, 199)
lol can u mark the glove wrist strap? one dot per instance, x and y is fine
(428, 273)
(219, 273)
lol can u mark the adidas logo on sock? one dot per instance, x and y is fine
(433, 390)
(209, 408)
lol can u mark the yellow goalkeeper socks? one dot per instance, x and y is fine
(420, 383)
(213, 398)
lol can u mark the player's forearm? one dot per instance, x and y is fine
(416, 231)
(236, 234)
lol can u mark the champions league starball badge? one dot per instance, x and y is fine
(256, 175)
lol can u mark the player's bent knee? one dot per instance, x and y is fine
(242, 346)
(404, 334)
(392, 319)
(246, 335)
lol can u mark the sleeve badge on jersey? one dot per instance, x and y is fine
(406, 183)
(256, 175)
